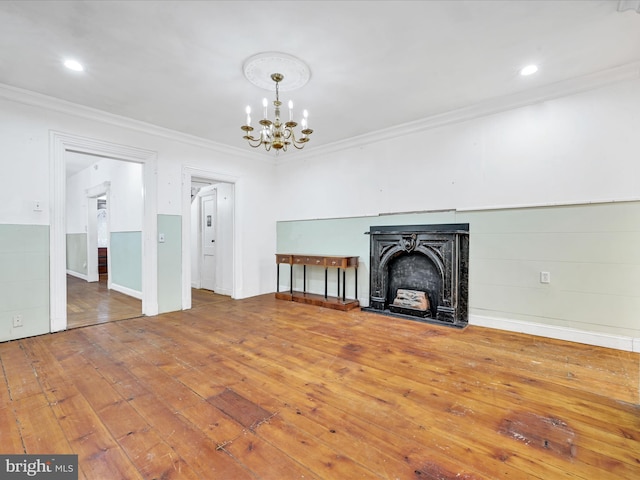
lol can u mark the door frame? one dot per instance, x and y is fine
(59, 143)
(188, 173)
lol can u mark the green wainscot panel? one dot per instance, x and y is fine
(77, 252)
(24, 280)
(170, 263)
(126, 259)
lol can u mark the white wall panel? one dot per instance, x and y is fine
(576, 149)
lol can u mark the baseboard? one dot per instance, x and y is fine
(126, 291)
(78, 275)
(618, 342)
(223, 291)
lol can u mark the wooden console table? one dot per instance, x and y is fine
(339, 302)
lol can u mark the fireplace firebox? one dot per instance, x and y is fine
(420, 272)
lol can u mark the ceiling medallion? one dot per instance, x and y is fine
(288, 73)
(258, 69)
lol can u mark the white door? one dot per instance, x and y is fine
(208, 222)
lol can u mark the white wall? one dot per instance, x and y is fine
(125, 200)
(581, 149)
(26, 121)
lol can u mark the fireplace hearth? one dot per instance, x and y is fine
(420, 272)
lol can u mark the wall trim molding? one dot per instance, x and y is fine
(624, 5)
(489, 107)
(492, 106)
(598, 339)
(79, 275)
(35, 99)
(225, 291)
(127, 291)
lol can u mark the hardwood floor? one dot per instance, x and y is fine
(90, 303)
(201, 298)
(268, 389)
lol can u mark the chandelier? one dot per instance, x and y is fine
(277, 134)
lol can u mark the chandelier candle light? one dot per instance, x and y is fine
(276, 134)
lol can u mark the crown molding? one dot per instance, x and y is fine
(489, 107)
(624, 5)
(35, 99)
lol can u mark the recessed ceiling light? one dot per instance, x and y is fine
(529, 70)
(74, 65)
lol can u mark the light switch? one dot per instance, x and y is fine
(161, 237)
(37, 206)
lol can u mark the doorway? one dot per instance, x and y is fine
(208, 227)
(110, 262)
(61, 145)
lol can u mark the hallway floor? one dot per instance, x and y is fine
(92, 303)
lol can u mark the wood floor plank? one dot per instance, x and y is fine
(21, 379)
(305, 449)
(99, 455)
(189, 441)
(10, 435)
(91, 303)
(266, 461)
(154, 457)
(39, 426)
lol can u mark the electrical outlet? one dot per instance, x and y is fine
(18, 321)
(545, 277)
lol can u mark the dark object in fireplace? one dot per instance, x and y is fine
(433, 259)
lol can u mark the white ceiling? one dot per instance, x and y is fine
(374, 65)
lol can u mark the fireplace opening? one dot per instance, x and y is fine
(420, 272)
(414, 271)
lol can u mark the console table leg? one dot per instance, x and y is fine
(356, 280)
(291, 279)
(338, 294)
(326, 270)
(277, 278)
(304, 279)
(344, 284)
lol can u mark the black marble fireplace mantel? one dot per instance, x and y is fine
(429, 258)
